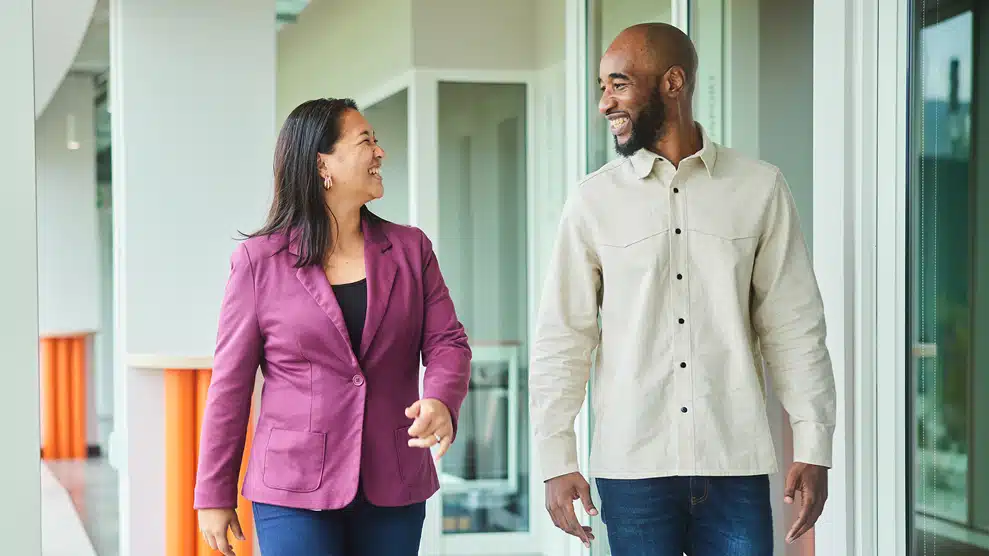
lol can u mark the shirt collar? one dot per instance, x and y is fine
(644, 159)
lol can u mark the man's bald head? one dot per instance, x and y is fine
(654, 48)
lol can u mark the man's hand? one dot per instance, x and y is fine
(433, 425)
(812, 483)
(560, 495)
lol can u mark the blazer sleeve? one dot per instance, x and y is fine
(445, 351)
(228, 403)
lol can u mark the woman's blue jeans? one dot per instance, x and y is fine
(360, 529)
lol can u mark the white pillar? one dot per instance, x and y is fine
(193, 108)
(845, 170)
(832, 248)
(20, 514)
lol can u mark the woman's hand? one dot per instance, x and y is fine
(433, 425)
(213, 524)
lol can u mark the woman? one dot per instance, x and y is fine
(335, 306)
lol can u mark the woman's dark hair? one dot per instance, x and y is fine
(299, 206)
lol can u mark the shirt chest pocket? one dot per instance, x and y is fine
(635, 245)
(729, 242)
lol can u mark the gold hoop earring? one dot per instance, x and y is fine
(327, 183)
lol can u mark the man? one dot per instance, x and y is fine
(683, 266)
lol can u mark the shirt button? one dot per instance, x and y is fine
(358, 380)
(676, 189)
(683, 365)
(681, 321)
(678, 230)
(679, 276)
(683, 410)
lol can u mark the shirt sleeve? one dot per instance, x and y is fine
(566, 334)
(788, 316)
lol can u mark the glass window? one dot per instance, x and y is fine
(483, 246)
(605, 19)
(948, 309)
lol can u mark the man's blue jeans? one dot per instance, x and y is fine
(360, 529)
(697, 516)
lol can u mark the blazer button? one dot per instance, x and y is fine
(358, 380)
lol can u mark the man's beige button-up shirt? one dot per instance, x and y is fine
(681, 286)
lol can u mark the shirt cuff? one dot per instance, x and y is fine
(558, 456)
(812, 443)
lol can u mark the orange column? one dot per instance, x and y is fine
(63, 382)
(49, 401)
(63, 396)
(244, 513)
(202, 387)
(78, 393)
(181, 530)
(186, 391)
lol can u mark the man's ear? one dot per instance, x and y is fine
(676, 81)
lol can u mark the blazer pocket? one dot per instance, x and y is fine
(411, 461)
(293, 460)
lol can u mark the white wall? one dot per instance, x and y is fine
(342, 48)
(20, 514)
(69, 276)
(474, 34)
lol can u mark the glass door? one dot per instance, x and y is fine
(480, 230)
(949, 273)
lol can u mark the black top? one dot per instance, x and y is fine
(352, 299)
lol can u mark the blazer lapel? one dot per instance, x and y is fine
(380, 269)
(314, 281)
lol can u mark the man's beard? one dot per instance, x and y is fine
(646, 129)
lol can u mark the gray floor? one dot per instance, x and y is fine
(92, 486)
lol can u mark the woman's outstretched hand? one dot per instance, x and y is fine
(433, 425)
(213, 523)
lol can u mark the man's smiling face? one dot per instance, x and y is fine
(631, 100)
